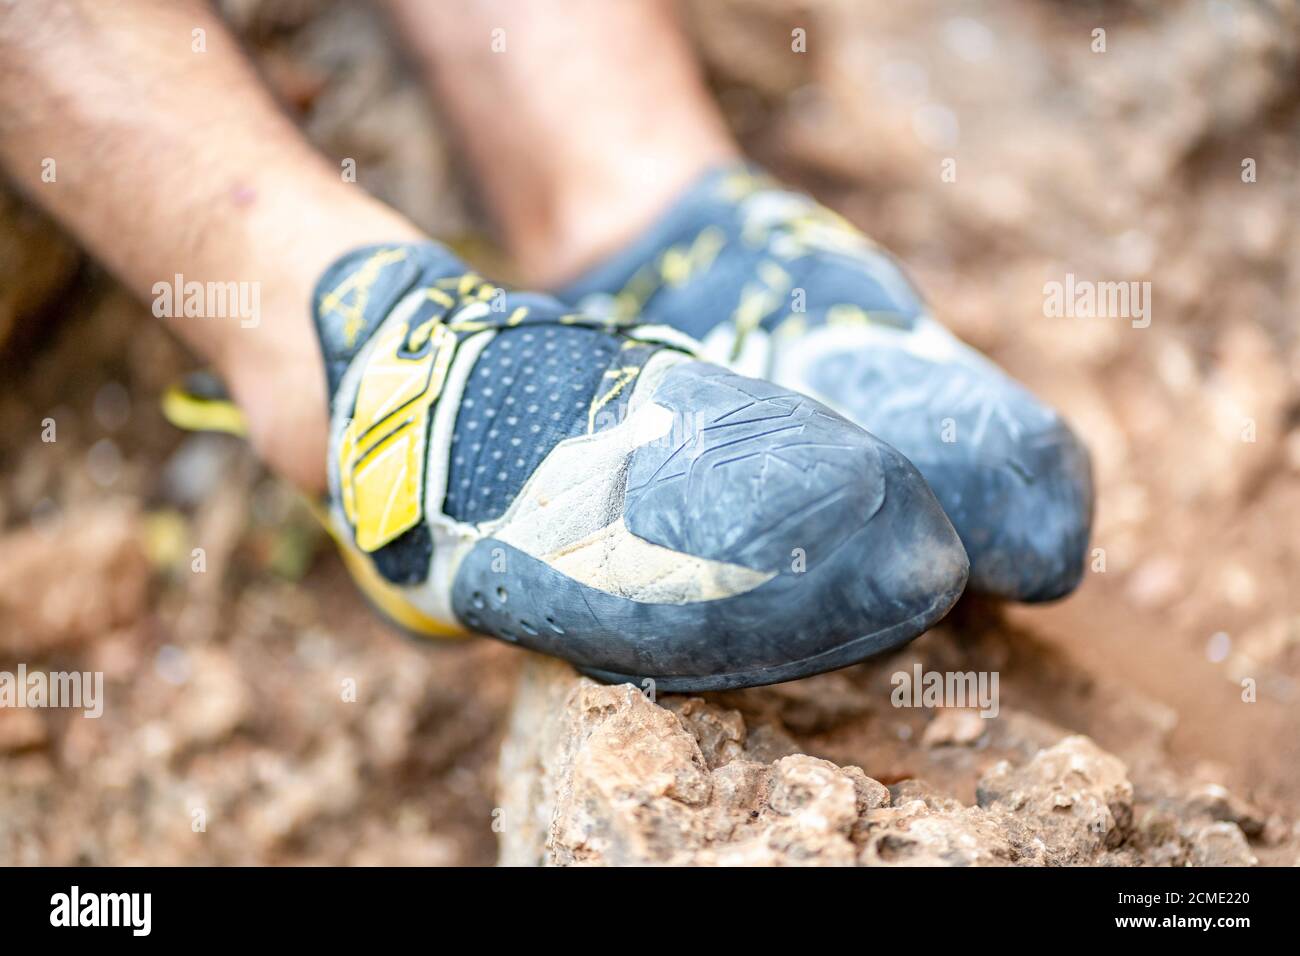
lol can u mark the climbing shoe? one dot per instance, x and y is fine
(778, 287)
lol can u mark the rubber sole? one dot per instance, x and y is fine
(853, 652)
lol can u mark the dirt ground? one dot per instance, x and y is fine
(226, 686)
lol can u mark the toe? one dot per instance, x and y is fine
(758, 474)
(841, 547)
(1026, 519)
(1011, 475)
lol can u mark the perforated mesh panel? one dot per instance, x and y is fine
(529, 390)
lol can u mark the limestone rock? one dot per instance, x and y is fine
(1072, 801)
(597, 775)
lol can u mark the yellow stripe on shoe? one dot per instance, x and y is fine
(185, 406)
(383, 448)
(191, 411)
(387, 598)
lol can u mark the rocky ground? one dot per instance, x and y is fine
(601, 775)
(1127, 732)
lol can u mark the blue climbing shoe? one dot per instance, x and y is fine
(778, 287)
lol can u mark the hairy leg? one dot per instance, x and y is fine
(582, 119)
(170, 161)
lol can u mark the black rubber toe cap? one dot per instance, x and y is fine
(1014, 479)
(861, 555)
(753, 475)
(1025, 520)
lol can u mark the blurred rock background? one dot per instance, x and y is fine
(225, 687)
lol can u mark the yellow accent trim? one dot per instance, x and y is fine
(758, 300)
(195, 414)
(624, 376)
(791, 327)
(755, 303)
(680, 263)
(744, 183)
(421, 335)
(358, 284)
(190, 412)
(706, 247)
(382, 451)
(675, 266)
(847, 314)
(384, 595)
(639, 288)
(772, 273)
(469, 325)
(390, 601)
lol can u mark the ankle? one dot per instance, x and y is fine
(284, 403)
(589, 214)
(275, 370)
